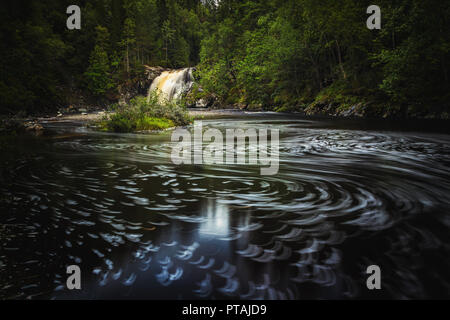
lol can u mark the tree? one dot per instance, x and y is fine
(129, 39)
(168, 35)
(98, 75)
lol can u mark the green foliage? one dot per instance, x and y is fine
(149, 123)
(283, 55)
(143, 114)
(168, 36)
(42, 64)
(156, 107)
(415, 60)
(121, 124)
(31, 54)
(98, 76)
(280, 55)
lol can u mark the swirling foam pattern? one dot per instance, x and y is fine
(140, 227)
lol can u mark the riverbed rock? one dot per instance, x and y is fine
(353, 111)
(34, 128)
(254, 107)
(317, 109)
(152, 73)
(140, 84)
(201, 103)
(208, 101)
(240, 106)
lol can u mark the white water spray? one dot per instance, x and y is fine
(171, 85)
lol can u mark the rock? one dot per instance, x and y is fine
(349, 112)
(138, 85)
(253, 107)
(82, 110)
(207, 101)
(202, 103)
(331, 109)
(240, 106)
(357, 110)
(34, 128)
(316, 109)
(153, 72)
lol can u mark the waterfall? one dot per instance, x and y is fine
(173, 84)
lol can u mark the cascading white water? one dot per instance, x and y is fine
(173, 84)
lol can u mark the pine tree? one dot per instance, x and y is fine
(98, 75)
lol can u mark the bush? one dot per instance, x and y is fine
(146, 113)
(118, 123)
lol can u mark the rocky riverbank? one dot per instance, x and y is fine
(98, 115)
(373, 110)
(36, 126)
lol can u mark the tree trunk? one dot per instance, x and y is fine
(316, 67)
(128, 62)
(393, 39)
(138, 55)
(166, 50)
(340, 60)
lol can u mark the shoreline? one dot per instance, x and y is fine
(36, 125)
(96, 116)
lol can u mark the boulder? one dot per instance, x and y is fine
(34, 128)
(140, 84)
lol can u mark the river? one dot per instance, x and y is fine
(347, 196)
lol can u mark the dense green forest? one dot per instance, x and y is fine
(274, 54)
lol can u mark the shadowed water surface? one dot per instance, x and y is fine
(140, 227)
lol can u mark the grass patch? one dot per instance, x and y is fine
(121, 124)
(149, 123)
(145, 114)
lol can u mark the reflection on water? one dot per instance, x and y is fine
(217, 220)
(141, 227)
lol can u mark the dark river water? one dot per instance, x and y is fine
(139, 227)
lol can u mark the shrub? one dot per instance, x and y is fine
(146, 113)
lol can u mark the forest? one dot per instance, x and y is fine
(213, 150)
(282, 55)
